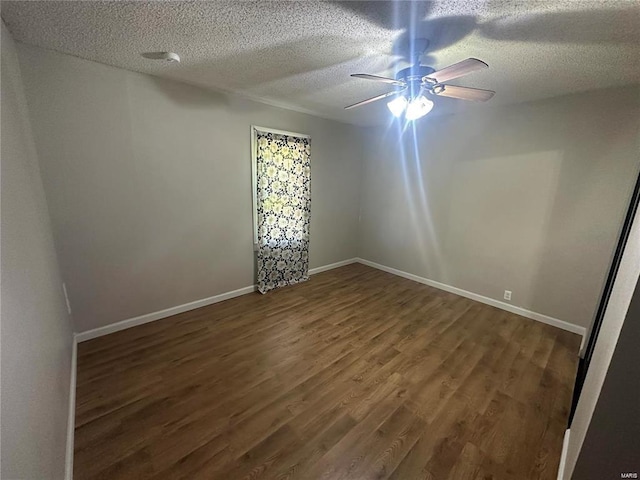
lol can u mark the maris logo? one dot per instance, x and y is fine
(629, 475)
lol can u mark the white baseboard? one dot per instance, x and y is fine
(480, 298)
(71, 420)
(583, 343)
(331, 266)
(151, 317)
(168, 312)
(563, 456)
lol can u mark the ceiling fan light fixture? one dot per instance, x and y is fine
(398, 105)
(418, 107)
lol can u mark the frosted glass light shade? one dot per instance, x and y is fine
(418, 107)
(397, 105)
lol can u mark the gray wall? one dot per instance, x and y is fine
(36, 331)
(527, 198)
(149, 185)
(612, 443)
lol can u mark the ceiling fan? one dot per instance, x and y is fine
(416, 83)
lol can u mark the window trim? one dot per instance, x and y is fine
(254, 170)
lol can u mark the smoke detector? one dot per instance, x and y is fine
(169, 57)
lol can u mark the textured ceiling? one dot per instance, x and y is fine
(300, 54)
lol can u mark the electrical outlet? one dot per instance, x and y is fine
(507, 294)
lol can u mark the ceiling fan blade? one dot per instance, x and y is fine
(374, 99)
(456, 70)
(376, 78)
(463, 93)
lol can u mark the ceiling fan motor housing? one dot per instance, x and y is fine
(413, 77)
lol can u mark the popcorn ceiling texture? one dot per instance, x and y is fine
(300, 54)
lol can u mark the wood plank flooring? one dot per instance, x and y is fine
(356, 374)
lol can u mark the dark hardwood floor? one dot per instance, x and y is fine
(355, 374)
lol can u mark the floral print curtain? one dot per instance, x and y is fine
(283, 209)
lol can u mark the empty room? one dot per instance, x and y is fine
(320, 240)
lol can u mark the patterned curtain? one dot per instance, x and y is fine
(283, 209)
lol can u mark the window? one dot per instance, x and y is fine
(281, 172)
